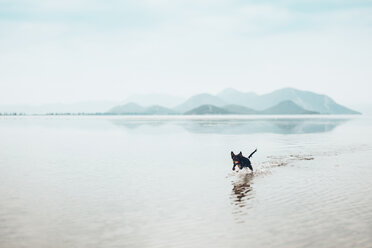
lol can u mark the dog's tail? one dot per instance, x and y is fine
(250, 155)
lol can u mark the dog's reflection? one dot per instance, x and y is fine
(242, 190)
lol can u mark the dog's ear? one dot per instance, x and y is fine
(232, 155)
(240, 154)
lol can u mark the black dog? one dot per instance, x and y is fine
(241, 161)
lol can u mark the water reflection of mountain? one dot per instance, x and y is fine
(133, 124)
(242, 126)
(280, 126)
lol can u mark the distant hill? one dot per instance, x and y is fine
(165, 100)
(159, 110)
(207, 110)
(238, 109)
(306, 99)
(135, 109)
(287, 108)
(129, 108)
(230, 101)
(235, 97)
(198, 100)
(282, 108)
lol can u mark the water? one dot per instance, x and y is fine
(167, 182)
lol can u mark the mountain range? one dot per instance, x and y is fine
(230, 101)
(136, 109)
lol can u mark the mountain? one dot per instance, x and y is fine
(287, 108)
(230, 100)
(233, 96)
(238, 109)
(207, 110)
(282, 108)
(198, 100)
(165, 100)
(305, 99)
(129, 108)
(159, 110)
(135, 109)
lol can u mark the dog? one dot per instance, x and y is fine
(241, 161)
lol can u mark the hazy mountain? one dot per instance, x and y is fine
(207, 110)
(135, 109)
(283, 101)
(287, 108)
(155, 99)
(198, 100)
(305, 99)
(79, 107)
(129, 108)
(282, 108)
(159, 110)
(238, 109)
(233, 96)
(230, 100)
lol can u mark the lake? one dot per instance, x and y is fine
(145, 181)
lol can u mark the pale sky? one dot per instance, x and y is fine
(77, 50)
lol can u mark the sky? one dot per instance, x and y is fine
(82, 50)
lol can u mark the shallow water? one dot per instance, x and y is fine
(167, 182)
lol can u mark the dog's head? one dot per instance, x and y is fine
(236, 160)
